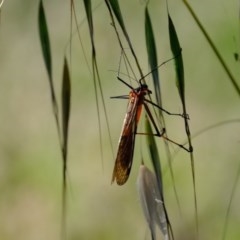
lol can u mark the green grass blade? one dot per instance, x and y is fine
(152, 147)
(88, 9)
(113, 5)
(233, 81)
(152, 58)
(152, 55)
(66, 102)
(44, 37)
(96, 75)
(46, 50)
(154, 153)
(176, 50)
(117, 11)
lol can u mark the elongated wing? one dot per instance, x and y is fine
(124, 157)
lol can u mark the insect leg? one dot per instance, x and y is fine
(169, 113)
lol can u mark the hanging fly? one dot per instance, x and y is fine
(136, 100)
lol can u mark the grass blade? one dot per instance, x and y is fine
(66, 103)
(152, 147)
(152, 55)
(117, 11)
(176, 50)
(46, 50)
(88, 9)
(96, 76)
(152, 58)
(233, 81)
(44, 37)
(113, 5)
(154, 153)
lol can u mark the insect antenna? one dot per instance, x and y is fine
(121, 80)
(154, 69)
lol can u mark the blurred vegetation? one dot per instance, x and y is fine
(30, 157)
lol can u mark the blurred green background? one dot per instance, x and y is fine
(30, 160)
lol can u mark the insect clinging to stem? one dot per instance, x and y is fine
(136, 100)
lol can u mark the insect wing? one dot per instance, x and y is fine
(124, 158)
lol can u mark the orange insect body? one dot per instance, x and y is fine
(124, 157)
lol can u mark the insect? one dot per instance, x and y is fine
(126, 145)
